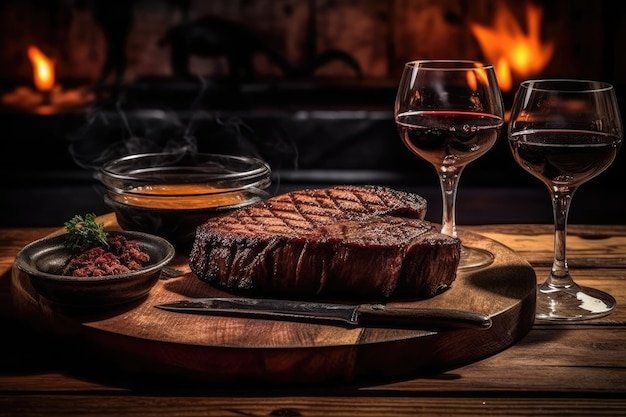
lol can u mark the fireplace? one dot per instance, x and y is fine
(307, 85)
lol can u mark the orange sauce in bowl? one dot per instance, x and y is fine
(182, 196)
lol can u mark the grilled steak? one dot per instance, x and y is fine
(354, 241)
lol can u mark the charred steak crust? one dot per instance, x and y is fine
(357, 241)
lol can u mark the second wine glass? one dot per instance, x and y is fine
(450, 113)
(565, 132)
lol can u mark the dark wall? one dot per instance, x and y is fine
(332, 125)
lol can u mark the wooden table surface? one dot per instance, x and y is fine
(556, 369)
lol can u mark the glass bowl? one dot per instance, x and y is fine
(171, 194)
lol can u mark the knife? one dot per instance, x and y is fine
(349, 315)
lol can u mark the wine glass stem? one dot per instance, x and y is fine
(449, 179)
(559, 277)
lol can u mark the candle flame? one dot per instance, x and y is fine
(43, 69)
(510, 49)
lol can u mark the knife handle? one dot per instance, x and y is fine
(420, 318)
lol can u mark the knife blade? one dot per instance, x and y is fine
(349, 315)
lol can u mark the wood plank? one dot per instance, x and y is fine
(253, 405)
(588, 246)
(585, 360)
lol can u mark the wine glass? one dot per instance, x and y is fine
(565, 132)
(449, 113)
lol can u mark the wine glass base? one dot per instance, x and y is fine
(474, 258)
(581, 303)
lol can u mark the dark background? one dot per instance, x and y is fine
(316, 128)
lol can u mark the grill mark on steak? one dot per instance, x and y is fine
(306, 210)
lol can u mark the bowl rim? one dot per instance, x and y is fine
(56, 242)
(120, 180)
(260, 168)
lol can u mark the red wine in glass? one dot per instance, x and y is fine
(564, 157)
(450, 138)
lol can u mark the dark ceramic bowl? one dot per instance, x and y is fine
(171, 194)
(43, 261)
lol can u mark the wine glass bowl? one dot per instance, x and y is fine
(450, 113)
(565, 132)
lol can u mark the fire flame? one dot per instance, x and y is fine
(43, 69)
(510, 49)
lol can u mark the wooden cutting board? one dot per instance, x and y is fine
(140, 337)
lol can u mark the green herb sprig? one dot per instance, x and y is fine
(85, 232)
